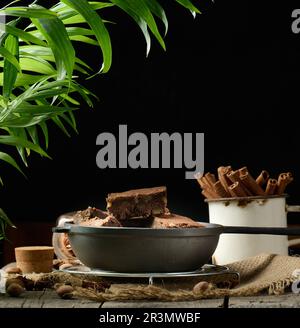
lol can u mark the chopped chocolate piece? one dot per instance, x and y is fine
(137, 203)
(174, 221)
(109, 221)
(89, 213)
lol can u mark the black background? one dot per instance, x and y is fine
(232, 73)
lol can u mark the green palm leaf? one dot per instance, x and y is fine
(36, 64)
(158, 11)
(57, 37)
(8, 159)
(5, 219)
(70, 118)
(24, 79)
(10, 71)
(66, 13)
(84, 39)
(189, 5)
(37, 110)
(72, 31)
(98, 27)
(140, 22)
(28, 12)
(21, 133)
(33, 133)
(140, 8)
(61, 7)
(44, 129)
(59, 123)
(10, 57)
(45, 53)
(25, 36)
(22, 121)
(17, 141)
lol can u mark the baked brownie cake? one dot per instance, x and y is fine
(88, 214)
(169, 221)
(109, 221)
(137, 203)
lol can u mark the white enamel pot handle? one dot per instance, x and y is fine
(293, 209)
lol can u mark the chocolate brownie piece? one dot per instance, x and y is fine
(174, 221)
(88, 214)
(109, 221)
(137, 203)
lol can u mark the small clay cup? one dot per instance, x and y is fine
(34, 258)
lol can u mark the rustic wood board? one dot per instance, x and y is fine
(49, 299)
(45, 299)
(142, 304)
(273, 301)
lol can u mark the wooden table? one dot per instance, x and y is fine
(49, 299)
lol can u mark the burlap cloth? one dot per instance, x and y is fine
(262, 274)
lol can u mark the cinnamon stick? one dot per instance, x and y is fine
(262, 179)
(252, 185)
(219, 189)
(234, 176)
(222, 174)
(271, 187)
(243, 170)
(209, 194)
(203, 182)
(289, 177)
(210, 178)
(207, 186)
(236, 190)
(282, 183)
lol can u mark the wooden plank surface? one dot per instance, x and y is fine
(141, 304)
(273, 301)
(44, 299)
(49, 299)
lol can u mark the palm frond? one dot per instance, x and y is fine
(8, 159)
(12, 140)
(189, 5)
(58, 40)
(39, 56)
(96, 24)
(10, 71)
(38, 64)
(4, 222)
(28, 12)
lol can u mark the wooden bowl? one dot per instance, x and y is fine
(34, 258)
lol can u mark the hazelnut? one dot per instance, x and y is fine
(14, 290)
(13, 270)
(65, 291)
(201, 287)
(22, 281)
(17, 280)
